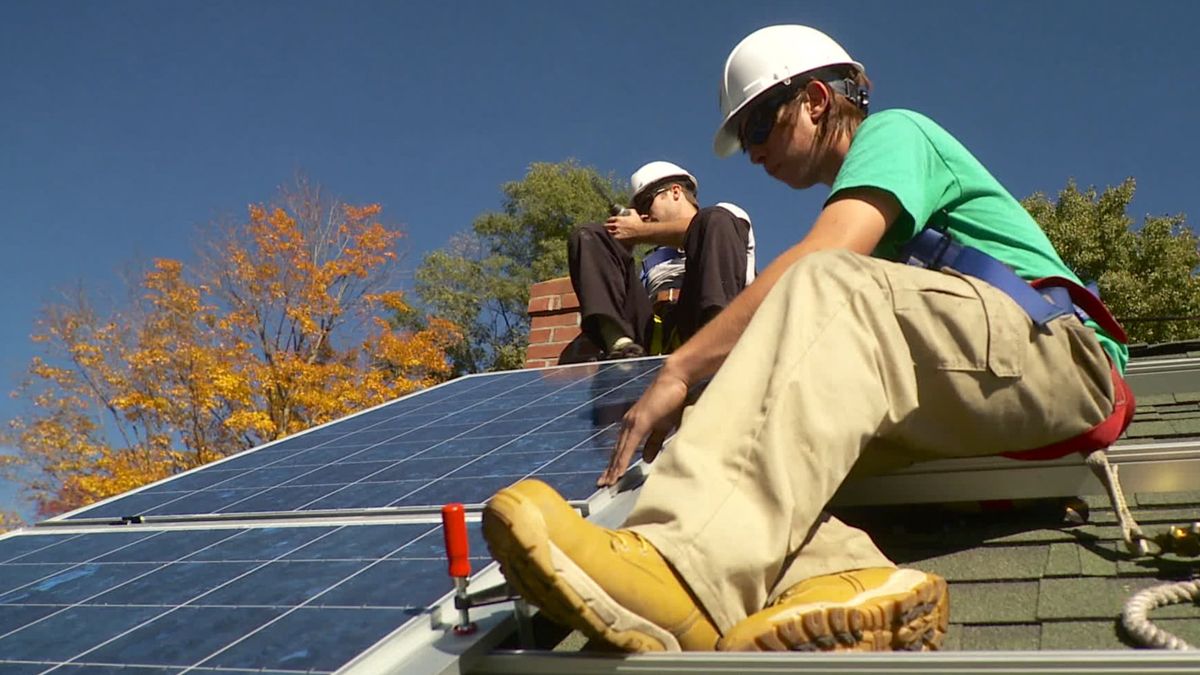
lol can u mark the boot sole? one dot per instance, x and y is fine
(518, 538)
(917, 620)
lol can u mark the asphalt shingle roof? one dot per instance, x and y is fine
(1022, 580)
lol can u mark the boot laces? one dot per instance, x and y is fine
(620, 543)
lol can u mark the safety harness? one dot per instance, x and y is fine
(1045, 300)
(662, 340)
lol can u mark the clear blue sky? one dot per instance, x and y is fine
(126, 125)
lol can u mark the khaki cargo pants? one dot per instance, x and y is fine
(851, 360)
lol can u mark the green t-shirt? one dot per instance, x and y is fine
(938, 182)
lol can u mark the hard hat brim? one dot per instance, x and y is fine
(726, 143)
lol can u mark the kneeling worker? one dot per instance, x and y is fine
(705, 255)
(924, 316)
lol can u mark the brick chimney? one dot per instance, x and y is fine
(554, 335)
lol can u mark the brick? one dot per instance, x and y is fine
(557, 286)
(542, 335)
(539, 363)
(570, 301)
(564, 334)
(553, 320)
(547, 351)
(538, 305)
(545, 303)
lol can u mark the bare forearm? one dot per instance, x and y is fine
(664, 233)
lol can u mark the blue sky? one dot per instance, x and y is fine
(126, 126)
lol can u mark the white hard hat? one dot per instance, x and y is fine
(764, 58)
(655, 173)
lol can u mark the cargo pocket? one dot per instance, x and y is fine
(958, 323)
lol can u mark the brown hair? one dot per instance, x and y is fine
(685, 185)
(843, 115)
(688, 193)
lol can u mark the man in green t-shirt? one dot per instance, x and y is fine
(835, 358)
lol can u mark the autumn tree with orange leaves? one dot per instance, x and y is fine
(283, 324)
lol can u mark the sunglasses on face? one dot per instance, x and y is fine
(642, 205)
(760, 118)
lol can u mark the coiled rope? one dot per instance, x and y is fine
(1137, 622)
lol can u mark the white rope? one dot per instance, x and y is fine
(1138, 624)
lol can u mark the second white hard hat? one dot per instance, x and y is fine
(655, 173)
(763, 59)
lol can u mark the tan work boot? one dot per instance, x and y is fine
(610, 584)
(877, 609)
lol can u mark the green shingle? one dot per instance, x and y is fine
(1063, 561)
(1096, 598)
(1032, 536)
(1100, 559)
(987, 563)
(1016, 637)
(1156, 399)
(1081, 635)
(1187, 630)
(1184, 415)
(1189, 498)
(1164, 568)
(952, 642)
(1149, 429)
(989, 603)
(1186, 427)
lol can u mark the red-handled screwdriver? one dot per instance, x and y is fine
(454, 526)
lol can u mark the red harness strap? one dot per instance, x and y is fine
(1088, 302)
(1107, 432)
(1100, 436)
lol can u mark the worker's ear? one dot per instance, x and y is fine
(819, 97)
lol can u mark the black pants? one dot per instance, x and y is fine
(608, 282)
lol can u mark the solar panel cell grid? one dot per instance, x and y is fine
(276, 598)
(474, 436)
(301, 597)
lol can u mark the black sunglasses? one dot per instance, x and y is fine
(643, 202)
(760, 118)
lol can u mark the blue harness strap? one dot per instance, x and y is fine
(655, 258)
(935, 249)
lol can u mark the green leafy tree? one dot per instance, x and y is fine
(480, 280)
(1147, 275)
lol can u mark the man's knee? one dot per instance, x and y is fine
(586, 237)
(587, 232)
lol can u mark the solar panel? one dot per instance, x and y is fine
(263, 599)
(460, 441)
(322, 572)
